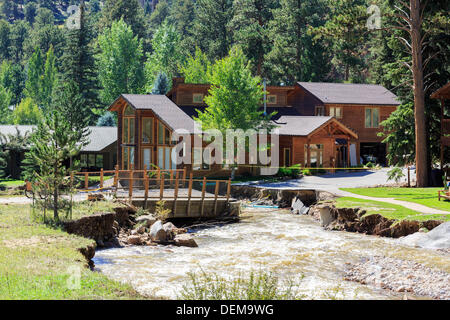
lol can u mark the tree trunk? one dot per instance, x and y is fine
(419, 95)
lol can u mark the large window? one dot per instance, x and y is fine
(91, 160)
(197, 160)
(163, 134)
(147, 130)
(165, 160)
(336, 112)
(147, 157)
(316, 154)
(372, 118)
(128, 130)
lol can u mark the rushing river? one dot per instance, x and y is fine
(290, 246)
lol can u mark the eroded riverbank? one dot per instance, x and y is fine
(273, 240)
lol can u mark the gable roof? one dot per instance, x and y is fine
(350, 93)
(307, 125)
(164, 108)
(442, 93)
(99, 137)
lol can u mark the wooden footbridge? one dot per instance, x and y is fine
(186, 197)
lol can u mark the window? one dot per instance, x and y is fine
(372, 118)
(147, 130)
(272, 99)
(127, 157)
(128, 112)
(320, 110)
(147, 157)
(197, 161)
(336, 112)
(163, 134)
(316, 154)
(83, 160)
(287, 157)
(99, 161)
(165, 160)
(197, 98)
(128, 130)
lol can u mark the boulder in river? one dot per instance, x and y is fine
(134, 240)
(157, 232)
(185, 240)
(327, 215)
(438, 238)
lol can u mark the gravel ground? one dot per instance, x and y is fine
(401, 276)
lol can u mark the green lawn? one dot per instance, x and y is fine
(36, 262)
(425, 196)
(11, 183)
(387, 210)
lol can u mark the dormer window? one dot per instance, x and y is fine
(197, 98)
(336, 112)
(272, 99)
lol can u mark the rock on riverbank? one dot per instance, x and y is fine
(401, 276)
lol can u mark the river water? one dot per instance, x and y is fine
(292, 247)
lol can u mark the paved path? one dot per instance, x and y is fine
(366, 178)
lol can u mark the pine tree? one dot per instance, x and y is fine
(106, 120)
(294, 55)
(120, 68)
(5, 40)
(50, 146)
(78, 63)
(161, 85)
(129, 11)
(182, 16)
(211, 27)
(159, 15)
(250, 29)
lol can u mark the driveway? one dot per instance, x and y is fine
(331, 182)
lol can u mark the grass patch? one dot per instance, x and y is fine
(11, 183)
(425, 196)
(388, 210)
(257, 286)
(38, 262)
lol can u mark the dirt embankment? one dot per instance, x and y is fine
(356, 220)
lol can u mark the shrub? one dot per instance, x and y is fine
(306, 172)
(258, 286)
(293, 171)
(395, 174)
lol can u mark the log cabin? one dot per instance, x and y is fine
(320, 125)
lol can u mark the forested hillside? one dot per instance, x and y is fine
(130, 45)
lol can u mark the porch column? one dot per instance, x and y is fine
(308, 154)
(348, 152)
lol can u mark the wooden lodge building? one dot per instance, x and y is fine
(443, 95)
(325, 125)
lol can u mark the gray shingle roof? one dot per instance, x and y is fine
(164, 108)
(99, 138)
(350, 93)
(300, 125)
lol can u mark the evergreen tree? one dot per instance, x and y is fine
(294, 55)
(120, 67)
(346, 30)
(20, 31)
(30, 12)
(211, 27)
(129, 11)
(5, 41)
(106, 120)
(250, 29)
(159, 15)
(182, 16)
(50, 146)
(161, 85)
(78, 63)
